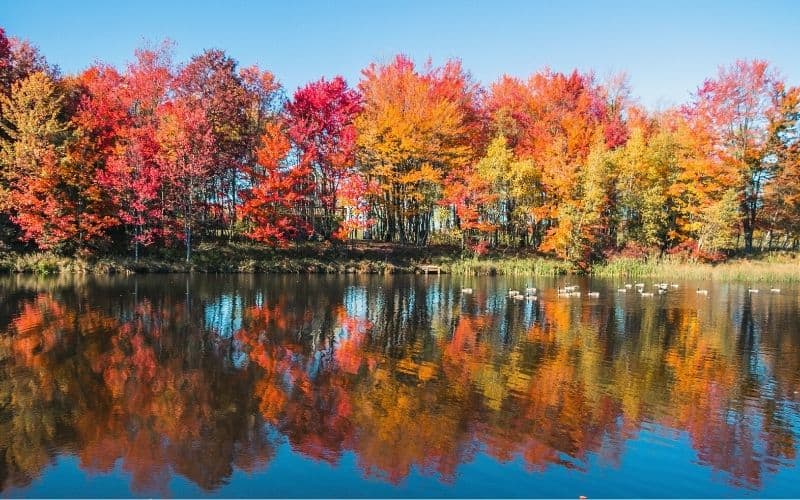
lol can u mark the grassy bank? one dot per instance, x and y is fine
(362, 258)
(377, 258)
(773, 268)
(507, 265)
(232, 258)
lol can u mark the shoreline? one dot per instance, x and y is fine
(396, 259)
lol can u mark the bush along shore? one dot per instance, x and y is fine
(376, 258)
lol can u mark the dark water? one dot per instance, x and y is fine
(397, 386)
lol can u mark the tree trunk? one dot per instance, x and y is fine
(188, 239)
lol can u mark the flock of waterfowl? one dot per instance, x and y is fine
(530, 294)
(661, 289)
(573, 291)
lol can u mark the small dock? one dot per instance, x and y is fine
(430, 269)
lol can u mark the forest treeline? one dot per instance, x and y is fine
(162, 154)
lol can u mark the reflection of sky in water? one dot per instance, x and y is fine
(355, 301)
(224, 315)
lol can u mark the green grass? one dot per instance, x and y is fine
(387, 259)
(40, 263)
(770, 268)
(513, 266)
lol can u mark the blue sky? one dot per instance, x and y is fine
(666, 47)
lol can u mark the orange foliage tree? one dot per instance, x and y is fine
(415, 129)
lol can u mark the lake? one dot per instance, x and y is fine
(290, 385)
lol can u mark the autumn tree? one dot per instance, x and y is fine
(185, 145)
(212, 82)
(743, 109)
(416, 127)
(647, 167)
(19, 59)
(119, 116)
(472, 201)
(782, 195)
(51, 195)
(494, 196)
(320, 120)
(5, 63)
(718, 228)
(586, 225)
(271, 206)
(33, 126)
(553, 120)
(518, 184)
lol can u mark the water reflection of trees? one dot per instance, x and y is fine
(198, 377)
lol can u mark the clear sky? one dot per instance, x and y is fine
(667, 47)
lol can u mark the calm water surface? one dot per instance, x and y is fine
(394, 386)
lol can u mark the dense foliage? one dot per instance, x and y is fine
(165, 155)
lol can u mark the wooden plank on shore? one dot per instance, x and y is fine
(430, 269)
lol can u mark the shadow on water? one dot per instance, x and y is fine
(156, 377)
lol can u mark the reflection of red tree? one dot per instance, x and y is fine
(315, 421)
(183, 414)
(350, 354)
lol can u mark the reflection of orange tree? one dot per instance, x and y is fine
(312, 412)
(713, 403)
(686, 374)
(558, 393)
(112, 390)
(401, 425)
(43, 390)
(542, 414)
